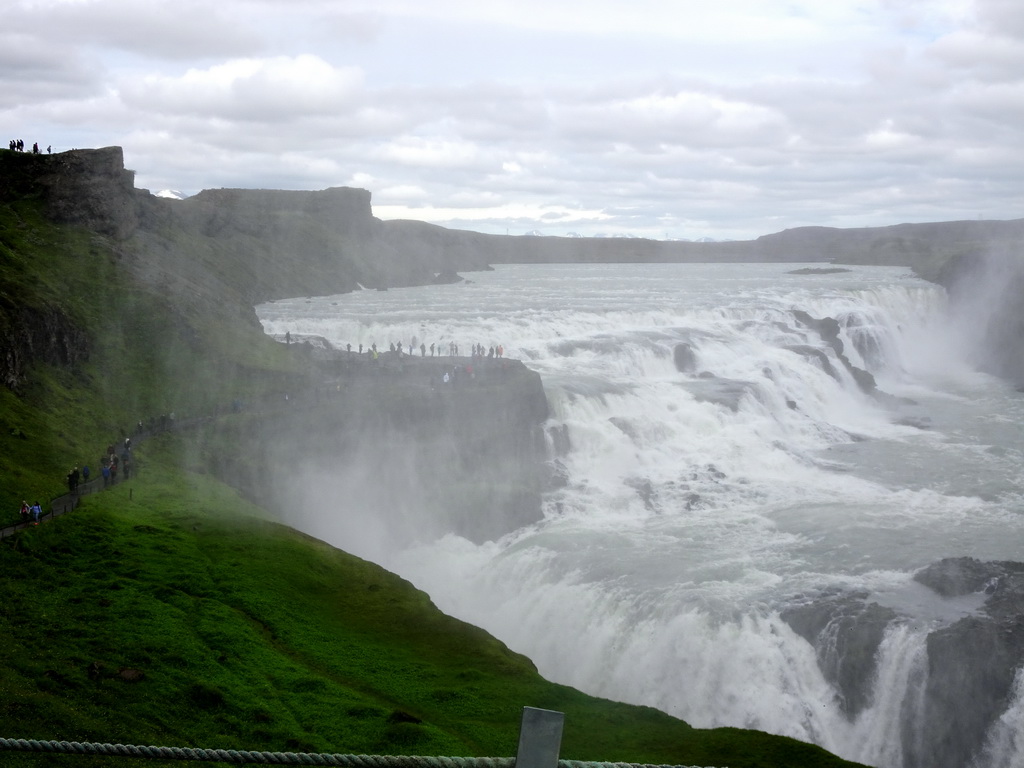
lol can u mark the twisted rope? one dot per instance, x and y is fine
(245, 756)
(282, 758)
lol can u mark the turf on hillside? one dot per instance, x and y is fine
(168, 611)
(140, 354)
(246, 634)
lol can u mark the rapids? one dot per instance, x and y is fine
(725, 464)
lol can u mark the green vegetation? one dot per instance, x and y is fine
(171, 611)
(132, 352)
(250, 635)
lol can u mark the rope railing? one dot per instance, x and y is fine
(283, 758)
(238, 756)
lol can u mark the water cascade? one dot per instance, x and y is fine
(752, 465)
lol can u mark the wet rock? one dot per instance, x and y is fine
(828, 328)
(818, 355)
(712, 389)
(846, 632)
(33, 335)
(953, 577)
(448, 277)
(559, 435)
(971, 664)
(685, 358)
(645, 490)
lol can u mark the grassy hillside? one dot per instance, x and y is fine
(136, 352)
(168, 610)
(247, 634)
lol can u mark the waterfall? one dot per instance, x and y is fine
(733, 442)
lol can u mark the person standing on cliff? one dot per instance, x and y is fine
(423, 350)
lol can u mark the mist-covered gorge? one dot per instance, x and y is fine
(733, 514)
(749, 468)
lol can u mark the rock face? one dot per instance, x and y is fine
(469, 457)
(88, 188)
(685, 358)
(971, 663)
(846, 633)
(394, 450)
(986, 289)
(828, 329)
(30, 335)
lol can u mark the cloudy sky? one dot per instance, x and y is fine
(658, 118)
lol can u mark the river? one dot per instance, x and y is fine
(724, 464)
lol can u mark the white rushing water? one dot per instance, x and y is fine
(699, 505)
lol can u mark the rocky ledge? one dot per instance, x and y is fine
(971, 665)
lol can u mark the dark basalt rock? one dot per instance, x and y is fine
(685, 358)
(34, 335)
(813, 353)
(846, 632)
(448, 277)
(954, 577)
(971, 663)
(560, 441)
(828, 329)
(469, 456)
(986, 290)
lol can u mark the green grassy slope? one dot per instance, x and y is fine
(251, 635)
(246, 633)
(141, 353)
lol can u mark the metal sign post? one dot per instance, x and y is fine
(540, 738)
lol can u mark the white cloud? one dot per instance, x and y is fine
(656, 117)
(431, 152)
(274, 90)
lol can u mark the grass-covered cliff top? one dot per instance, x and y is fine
(170, 611)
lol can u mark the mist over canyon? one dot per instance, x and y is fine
(659, 439)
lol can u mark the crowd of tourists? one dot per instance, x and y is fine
(17, 145)
(400, 349)
(435, 349)
(112, 465)
(115, 462)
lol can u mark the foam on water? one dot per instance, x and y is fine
(698, 505)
